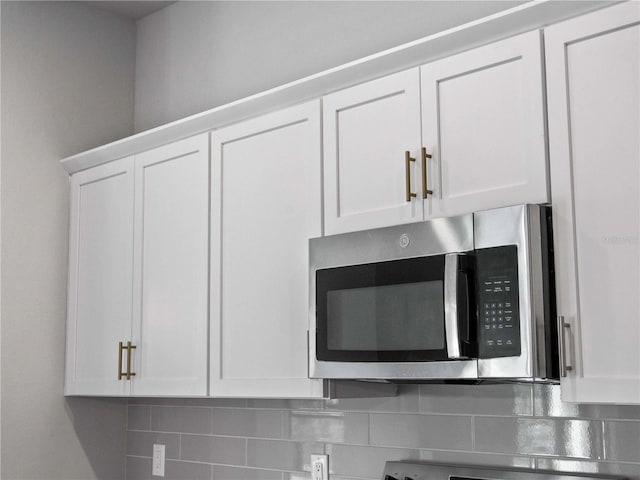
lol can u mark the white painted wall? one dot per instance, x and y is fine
(192, 56)
(67, 85)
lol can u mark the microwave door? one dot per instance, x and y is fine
(388, 320)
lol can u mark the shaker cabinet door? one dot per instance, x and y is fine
(171, 269)
(265, 206)
(100, 277)
(483, 124)
(593, 69)
(367, 130)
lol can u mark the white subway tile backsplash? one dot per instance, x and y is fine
(503, 425)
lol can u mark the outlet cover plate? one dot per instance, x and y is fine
(319, 467)
(157, 469)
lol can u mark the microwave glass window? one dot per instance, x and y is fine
(386, 318)
(382, 312)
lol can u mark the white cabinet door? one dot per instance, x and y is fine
(171, 269)
(265, 205)
(483, 124)
(100, 277)
(367, 129)
(593, 70)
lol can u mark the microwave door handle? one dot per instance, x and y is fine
(452, 329)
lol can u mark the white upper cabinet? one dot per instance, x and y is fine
(265, 206)
(100, 278)
(460, 134)
(171, 269)
(593, 72)
(483, 124)
(367, 130)
(138, 268)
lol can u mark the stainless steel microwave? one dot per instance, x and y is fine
(465, 298)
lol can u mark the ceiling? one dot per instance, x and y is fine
(131, 9)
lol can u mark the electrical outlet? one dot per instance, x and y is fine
(319, 467)
(157, 469)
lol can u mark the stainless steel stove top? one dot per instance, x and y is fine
(435, 471)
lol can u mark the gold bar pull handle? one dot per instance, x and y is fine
(425, 190)
(120, 372)
(407, 164)
(130, 347)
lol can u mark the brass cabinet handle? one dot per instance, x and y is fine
(407, 163)
(128, 374)
(130, 347)
(562, 347)
(425, 190)
(120, 372)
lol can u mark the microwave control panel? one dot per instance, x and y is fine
(497, 302)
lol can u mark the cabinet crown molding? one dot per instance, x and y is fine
(522, 18)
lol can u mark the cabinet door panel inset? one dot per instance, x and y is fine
(265, 207)
(100, 277)
(367, 129)
(171, 269)
(483, 120)
(489, 99)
